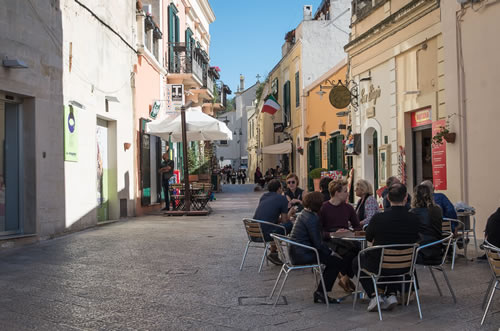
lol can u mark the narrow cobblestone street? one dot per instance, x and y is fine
(179, 273)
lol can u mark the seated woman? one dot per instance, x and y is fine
(336, 215)
(367, 205)
(293, 192)
(431, 221)
(307, 231)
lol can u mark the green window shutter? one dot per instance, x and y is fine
(329, 154)
(340, 153)
(171, 38)
(297, 90)
(177, 29)
(317, 153)
(189, 35)
(286, 104)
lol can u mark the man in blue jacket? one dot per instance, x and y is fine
(442, 201)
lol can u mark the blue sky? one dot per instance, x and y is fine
(247, 36)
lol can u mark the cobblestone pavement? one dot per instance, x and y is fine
(179, 273)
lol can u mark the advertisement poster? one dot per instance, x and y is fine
(70, 134)
(439, 159)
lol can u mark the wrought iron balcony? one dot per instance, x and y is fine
(184, 61)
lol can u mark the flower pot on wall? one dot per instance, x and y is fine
(450, 137)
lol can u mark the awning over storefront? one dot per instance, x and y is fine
(282, 148)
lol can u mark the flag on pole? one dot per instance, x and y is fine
(271, 106)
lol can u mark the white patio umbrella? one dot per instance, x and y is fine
(199, 127)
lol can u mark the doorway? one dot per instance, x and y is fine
(422, 154)
(102, 170)
(10, 197)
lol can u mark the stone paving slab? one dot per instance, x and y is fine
(182, 273)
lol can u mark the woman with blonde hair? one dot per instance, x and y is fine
(367, 204)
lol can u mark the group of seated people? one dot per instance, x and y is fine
(328, 212)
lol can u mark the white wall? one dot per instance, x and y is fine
(101, 66)
(323, 41)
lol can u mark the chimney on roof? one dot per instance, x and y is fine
(242, 83)
(307, 12)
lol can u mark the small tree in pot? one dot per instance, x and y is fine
(315, 174)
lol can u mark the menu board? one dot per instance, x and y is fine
(439, 159)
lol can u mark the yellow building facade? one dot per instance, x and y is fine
(325, 126)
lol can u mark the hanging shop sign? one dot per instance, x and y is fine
(70, 134)
(174, 97)
(340, 96)
(421, 118)
(439, 159)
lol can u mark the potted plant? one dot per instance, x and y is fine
(444, 133)
(300, 150)
(315, 174)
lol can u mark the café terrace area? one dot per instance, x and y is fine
(179, 273)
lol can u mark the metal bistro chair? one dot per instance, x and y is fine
(446, 242)
(283, 244)
(468, 229)
(446, 228)
(256, 236)
(493, 254)
(398, 256)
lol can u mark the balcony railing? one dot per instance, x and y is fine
(183, 61)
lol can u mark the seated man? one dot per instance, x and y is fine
(273, 208)
(395, 226)
(442, 201)
(385, 203)
(336, 215)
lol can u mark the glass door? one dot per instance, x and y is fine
(9, 169)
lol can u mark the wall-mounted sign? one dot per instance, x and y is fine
(155, 109)
(274, 88)
(421, 117)
(370, 112)
(372, 94)
(279, 127)
(340, 96)
(175, 97)
(70, 134)
(439, 159)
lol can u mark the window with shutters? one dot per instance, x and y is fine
(336, 153)
(173, 37)
(297, 90)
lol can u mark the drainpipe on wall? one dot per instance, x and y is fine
(462, 110)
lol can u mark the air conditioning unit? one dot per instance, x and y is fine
(307, 12)
(148, 9)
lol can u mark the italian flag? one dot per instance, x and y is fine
(271, 106)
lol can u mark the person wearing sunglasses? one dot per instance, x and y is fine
(293, 192)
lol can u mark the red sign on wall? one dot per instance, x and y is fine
(439, 159)
(421, 117)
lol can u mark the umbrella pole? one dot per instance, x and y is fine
(187, 190)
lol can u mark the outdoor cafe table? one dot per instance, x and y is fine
(358, 236)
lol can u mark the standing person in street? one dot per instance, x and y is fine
(394, 226)
(307, 231)
(257, 176)
(273, 208)
(166, 170)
